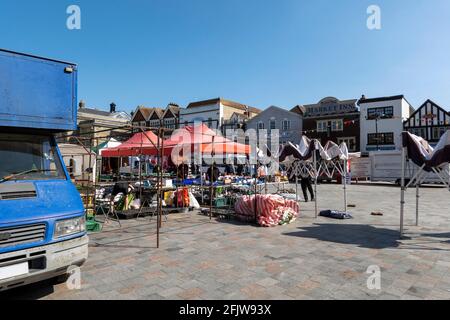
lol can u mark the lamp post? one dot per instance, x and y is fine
(376, 132)
(377, 117)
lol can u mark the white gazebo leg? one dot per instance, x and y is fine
(448, 172)
(402, 197)
(315, 184)
(417, 203)
(345, 185)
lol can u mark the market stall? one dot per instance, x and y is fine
(137, 145)
(428, 159)
(197, 140)
(311, 159)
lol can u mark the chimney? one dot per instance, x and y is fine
(82, 104)
(112, 108)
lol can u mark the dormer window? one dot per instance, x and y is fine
(261, 125)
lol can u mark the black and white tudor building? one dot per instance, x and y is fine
(430, 122)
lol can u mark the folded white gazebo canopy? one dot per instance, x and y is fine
(420, 153)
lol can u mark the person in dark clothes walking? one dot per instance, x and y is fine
(213, 173)
(307, 186)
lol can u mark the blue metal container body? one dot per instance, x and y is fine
(37, 92)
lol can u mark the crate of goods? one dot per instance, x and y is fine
(220, 202)
(92, 225)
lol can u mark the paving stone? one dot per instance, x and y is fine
(309, 259)
(170, 292)
(267, 282)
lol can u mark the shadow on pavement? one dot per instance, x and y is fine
(364, 236)
(437, 235)
(33, 291)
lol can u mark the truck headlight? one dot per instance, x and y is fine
(69, 227)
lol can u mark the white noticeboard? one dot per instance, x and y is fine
(348, 179)
(13, 271)
(361, 168)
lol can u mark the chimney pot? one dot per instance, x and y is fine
(112, 107)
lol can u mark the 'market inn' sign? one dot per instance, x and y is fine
(330, 105)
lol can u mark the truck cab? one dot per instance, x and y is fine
(42, 217)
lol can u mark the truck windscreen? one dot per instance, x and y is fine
(28, 157)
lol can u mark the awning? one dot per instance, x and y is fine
(139, 144)
(202, 139)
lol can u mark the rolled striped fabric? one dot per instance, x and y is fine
(271, 210)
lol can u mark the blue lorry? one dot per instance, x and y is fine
(42, 218)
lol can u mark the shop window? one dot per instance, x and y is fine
(350, 141)
(322, 126)
(380, 139)
(438, 132)
(380, 113)
(337, 125)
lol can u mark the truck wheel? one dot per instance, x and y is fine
(61, 278)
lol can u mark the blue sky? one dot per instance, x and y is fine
(258, 52)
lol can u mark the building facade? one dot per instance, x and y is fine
(382, 122)
(332, 120)
(288, 124)
(157, 117)
(97, 126)
(218, 113)
(141, 118)
(429, 121)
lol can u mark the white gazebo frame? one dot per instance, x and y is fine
(315, 168)
(417, 180)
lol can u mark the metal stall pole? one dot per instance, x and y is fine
(158, 189)
(345, 185)
(120, 167)
(402, 197)
(201, 178)
(265, 184)
(417, 203)
(90, 172)
(418, 183)
(98, 159)
(211, 192)
(211, 187)
(162, 177)
(315, 182)
(256, 192)
(140, 167)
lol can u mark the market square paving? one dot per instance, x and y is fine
(308, 259)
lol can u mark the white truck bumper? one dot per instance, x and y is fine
(20, 268)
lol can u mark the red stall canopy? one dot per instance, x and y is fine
(206, 139)
(137, 145)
